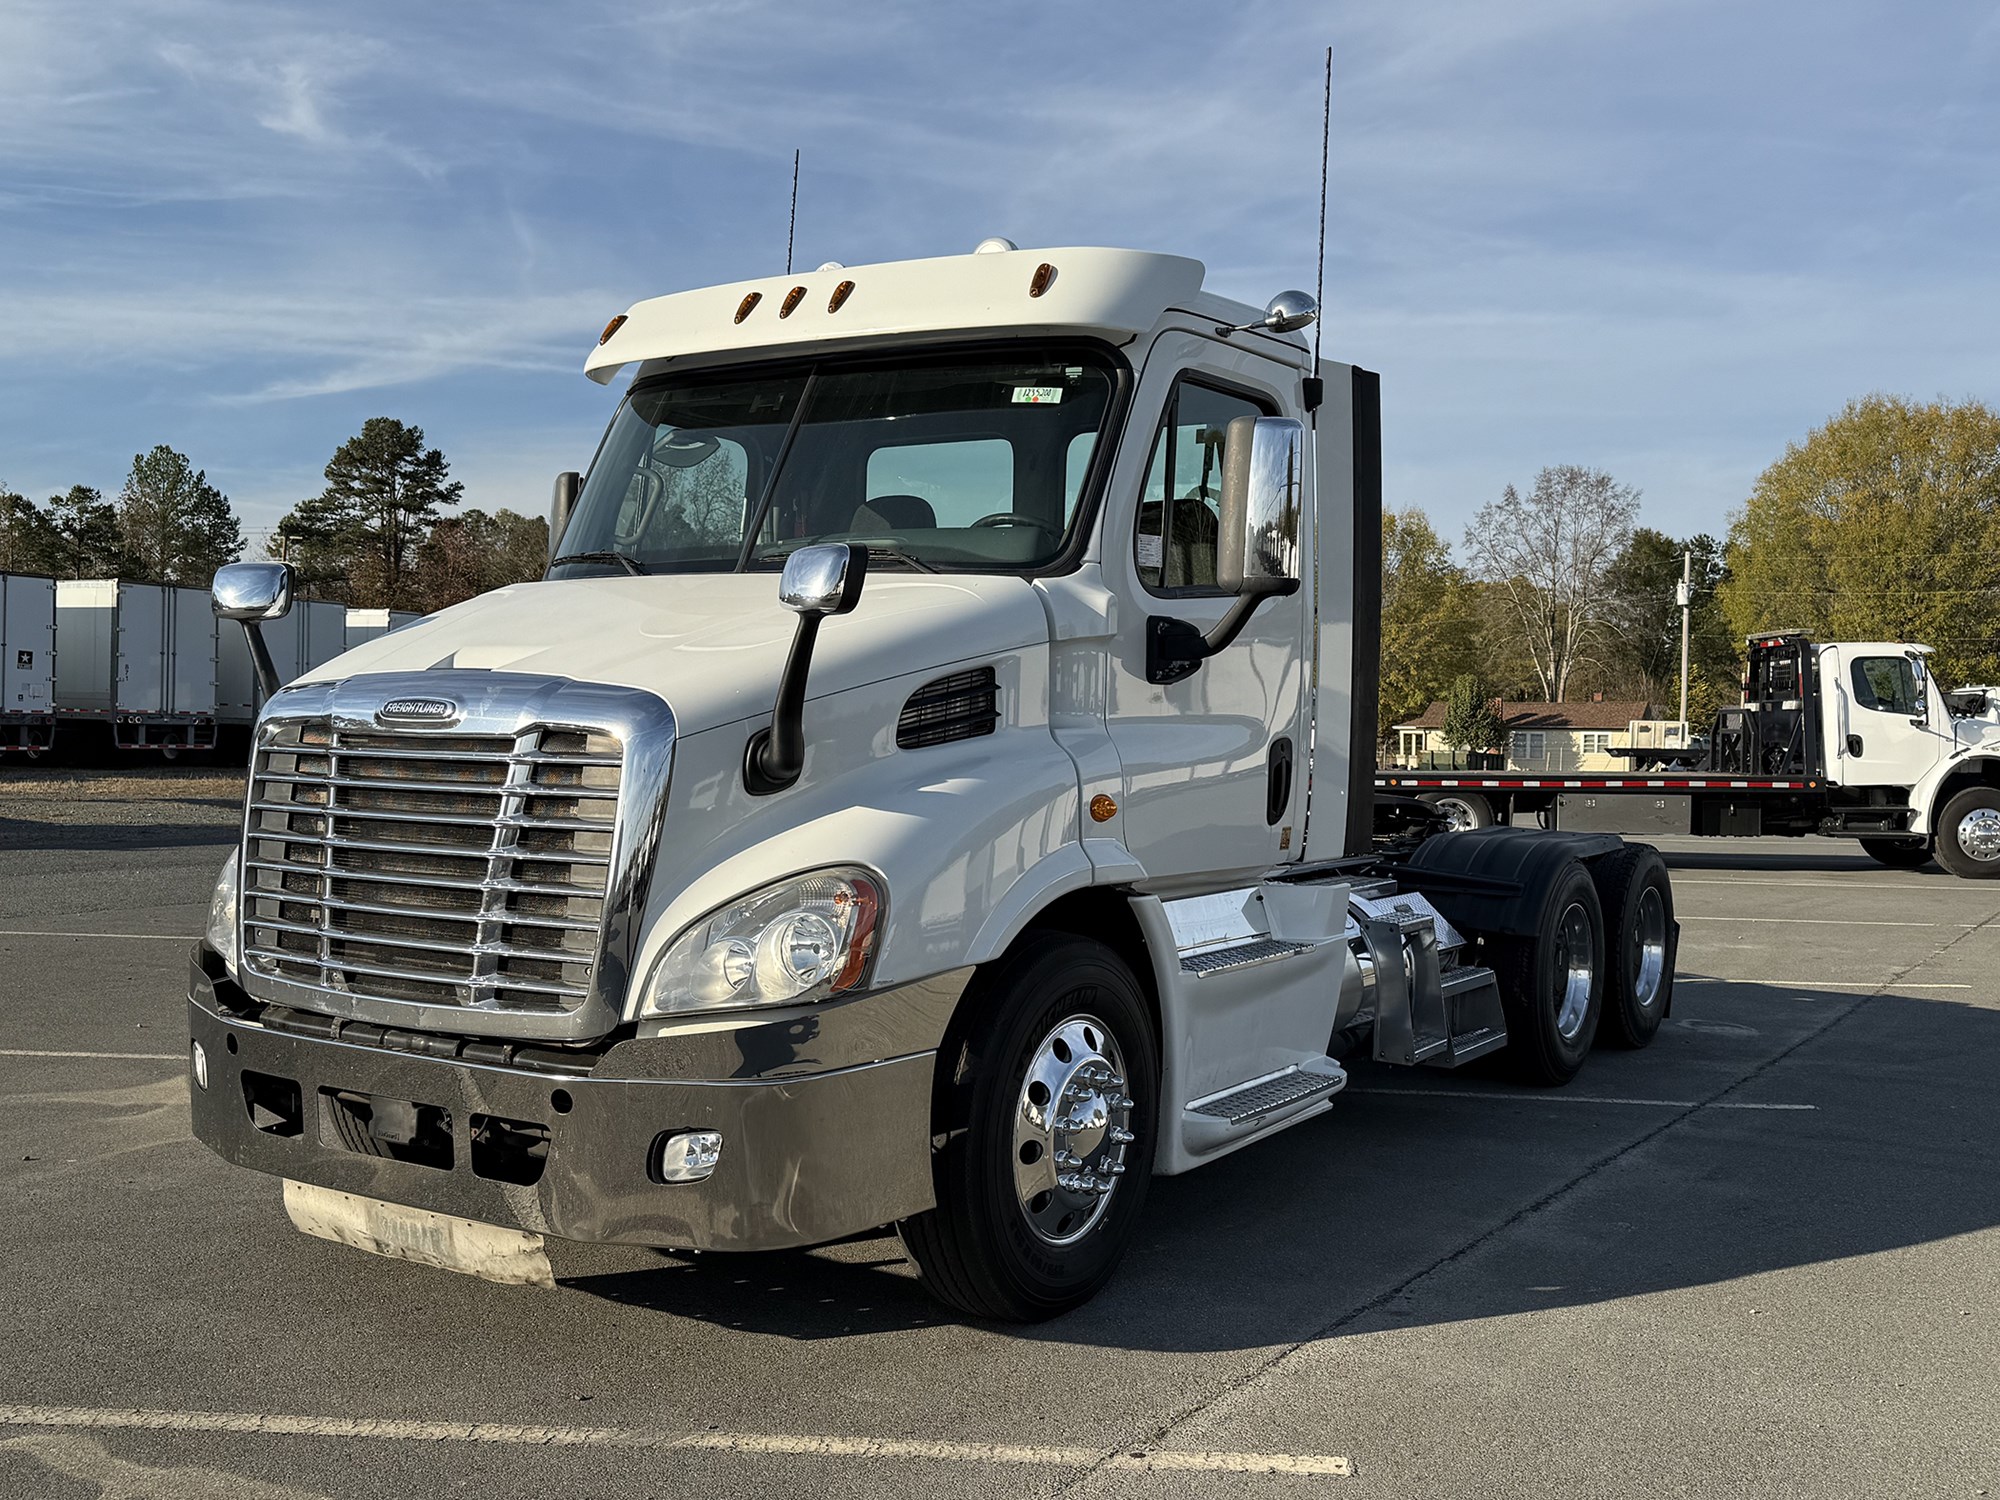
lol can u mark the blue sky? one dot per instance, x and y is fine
(1663, 239)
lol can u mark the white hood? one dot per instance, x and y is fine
(710, 644)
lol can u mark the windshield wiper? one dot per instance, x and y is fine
(631, 565)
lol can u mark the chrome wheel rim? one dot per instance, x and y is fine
(1072, 1128)
(1646, 984)
(1457, 815)
(1575, 968)
(1979, 834)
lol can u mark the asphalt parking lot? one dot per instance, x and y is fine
(1761, 1258)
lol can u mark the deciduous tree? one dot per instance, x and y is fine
(1471, 721)
(1884, 524)
(1549, 550)
(473, 553)
(1430, 623)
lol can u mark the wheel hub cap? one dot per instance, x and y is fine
(1574, 971)
(1979, 834)
(1652, 948)
(1071, 1130)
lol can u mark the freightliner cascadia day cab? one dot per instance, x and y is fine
(1847, 739)
(932, 788)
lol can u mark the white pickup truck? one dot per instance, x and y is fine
(932, 788)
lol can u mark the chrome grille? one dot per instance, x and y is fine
(436, 869)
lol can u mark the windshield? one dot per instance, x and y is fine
(968, 462)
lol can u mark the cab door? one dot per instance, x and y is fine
(1213, 765)
(1891, 735)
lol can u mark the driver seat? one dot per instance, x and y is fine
(894, 513)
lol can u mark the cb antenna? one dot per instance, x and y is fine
(1325, 144)
(1314, 387)
(792, 225)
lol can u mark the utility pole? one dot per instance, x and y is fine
(1685, 598)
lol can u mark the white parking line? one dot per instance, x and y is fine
(389, 1429)
(172, 1057)
(1827, 922)
(1537, 1097)
(1835, 883)
(136, 937)
(1819, 984)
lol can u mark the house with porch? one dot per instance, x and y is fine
(1543, 737)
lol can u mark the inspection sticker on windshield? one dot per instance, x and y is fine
(1037, 395)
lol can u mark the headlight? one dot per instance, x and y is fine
(802, 939)
(222, 915)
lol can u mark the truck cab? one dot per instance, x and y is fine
(932, 788)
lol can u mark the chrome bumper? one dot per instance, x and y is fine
(826, 1121)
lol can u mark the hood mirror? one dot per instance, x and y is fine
(252, 593)
(817, 582)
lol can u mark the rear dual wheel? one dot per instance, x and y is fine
(1640, 944)
(1552, 983)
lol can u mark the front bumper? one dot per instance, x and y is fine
(811, 1152)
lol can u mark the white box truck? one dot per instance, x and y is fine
(366, 624)
(313, 633)
(931, 788)
(139, 658)
(27, 662)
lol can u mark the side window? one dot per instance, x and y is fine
(1175, 542)
(919, 486)
(1886, 683)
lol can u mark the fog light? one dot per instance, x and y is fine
(687, 1155)
(200, 1059)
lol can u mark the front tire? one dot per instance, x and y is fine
(1897, 854)
(1552, 984)
(1968, 834)
(1639, 944)
(1046, 1106)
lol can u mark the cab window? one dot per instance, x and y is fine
(1179, 526)
(1888, 684)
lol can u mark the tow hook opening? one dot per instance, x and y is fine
(512, 1151)
(375, 1125)
(273, 1103)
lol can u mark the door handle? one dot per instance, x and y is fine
(1854, 744)
(1278, 788)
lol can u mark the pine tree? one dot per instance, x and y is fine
(87, 539)
(177, 527)
(383, 494)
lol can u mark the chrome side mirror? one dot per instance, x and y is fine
(252, 591)
(568, 483)
(817, 582)
(1287, 312)
(1257, 557)
(823, 580)
(1263, 490)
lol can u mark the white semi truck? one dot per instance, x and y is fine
(1844, 739)
(931, 788)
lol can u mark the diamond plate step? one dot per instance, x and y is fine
(1269, 1095)
(1240, 956)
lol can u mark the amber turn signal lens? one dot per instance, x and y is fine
(1102, 808)
(792, 300)
(610, 328)
(1044, 277)
(743, 307)
(840, 295)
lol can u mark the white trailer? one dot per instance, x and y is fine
(139, 657)
(366, 624)
(27, 662)
(314, 633)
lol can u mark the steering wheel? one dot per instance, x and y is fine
(1017, 518)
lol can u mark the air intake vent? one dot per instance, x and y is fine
(962, 706)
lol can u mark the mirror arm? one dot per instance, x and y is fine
(1175, 649)
(260, 658)
(775, 757)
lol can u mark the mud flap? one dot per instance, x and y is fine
(511, 1256)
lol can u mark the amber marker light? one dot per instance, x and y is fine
(840, 295)
(792, 300)
(1102, 808)
(610, 328)
(743, 308)
(1042, 280)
